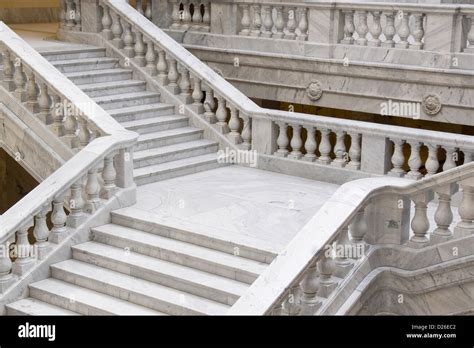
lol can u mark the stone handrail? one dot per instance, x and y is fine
(303, 276)
(371, 148)
(102, 146)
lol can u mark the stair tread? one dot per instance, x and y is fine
(139, 108)
(203, 253)
(188, 145)
(83, 60)
(125, 96)
(190, 161)
(144, 287)
(152, 121)
(111, 84)
(74, 48)
(97, 72)
(168, 133)
(32, 306)
(144, 262)
(92, 298)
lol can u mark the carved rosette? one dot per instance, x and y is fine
(314, 90)
(431, 104)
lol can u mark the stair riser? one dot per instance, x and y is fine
(178, 155)
(156, 277)
(66, 302)
(14, 311)
(121, 293)
(118, 76)
(163, 141)
(117, 104)
(98, 65)
(143, 114)
(179, 258)
(162, 126)
(115, 90)
(74, 55)
(160, 176)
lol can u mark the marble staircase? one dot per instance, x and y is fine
(135, 267)
(167, 146)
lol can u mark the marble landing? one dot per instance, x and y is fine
(237, 202)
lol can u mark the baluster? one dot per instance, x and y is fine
(150, 58)
(58, 218)
(8, 82)
(77, 15)
(20, 81)
(206, 18)
(128, 40)
(340, 150)
(343, 263)
(148, 10)
(196, 18)
(139, 6)
(415, 161)
(470, 34)
(420, 223)
(44, 104)
(41, 232)
(185, 86)
(197, 96)
(92, 191)
(403, 30)
(173, 76)
(355, 152)
(175, 15)
(245, 22)
(246, 132)
(76, 205)
(109, 176)
(70, 14)
(296, 142)
(221, 115)
(326, 279)
(389, 30)
(432, 162)
(376, 29)
(267, 21)
(303, 25)
(209, 106)
(279, 23)
(444, 215)
(186, 15)
(162, 68)
(418, 32)
(234, 126)
(32, 92)
(62, 14)
(362, 28)
(57, 126)
(70, 128)
(451, 158)
(5, 269)
(256, 22)
(106, 24)
(325, 147)
(466, 209)
(291, 24)
(292, 305)
(398, 158)
(310, 288)
(310, 144)
(24, 251)
(349, 27)
(139, 49)
(282, 140)
(117, 31)
(358, 227)
(84, 133)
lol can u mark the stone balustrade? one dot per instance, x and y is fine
(190, 15)
(70, 15)
(101, 168)
(310, 269)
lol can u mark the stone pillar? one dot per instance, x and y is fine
(224, 18)
(264, 135)
(90, 16)
(375, 154)
(439, 32)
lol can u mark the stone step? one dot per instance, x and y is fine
(182, 278)
(141, 112)
(32, 306)
(186, 254)
(234, 244)
(73, 53)
(173, 152)
(84, 301)
(168, 170)
(167, 137)
(156, 124)
(134, 290)
(96, 76)
(127, 99)
(102, 89)
(86, 64)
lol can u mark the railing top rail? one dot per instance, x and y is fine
(322, 229)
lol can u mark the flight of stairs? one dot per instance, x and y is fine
(125, 270)
(167, 147)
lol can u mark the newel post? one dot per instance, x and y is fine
(264, 136)
(124, 168)
(91, 16)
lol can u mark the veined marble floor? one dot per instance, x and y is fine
(237, 202)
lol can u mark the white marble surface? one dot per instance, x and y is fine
(246, 201)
